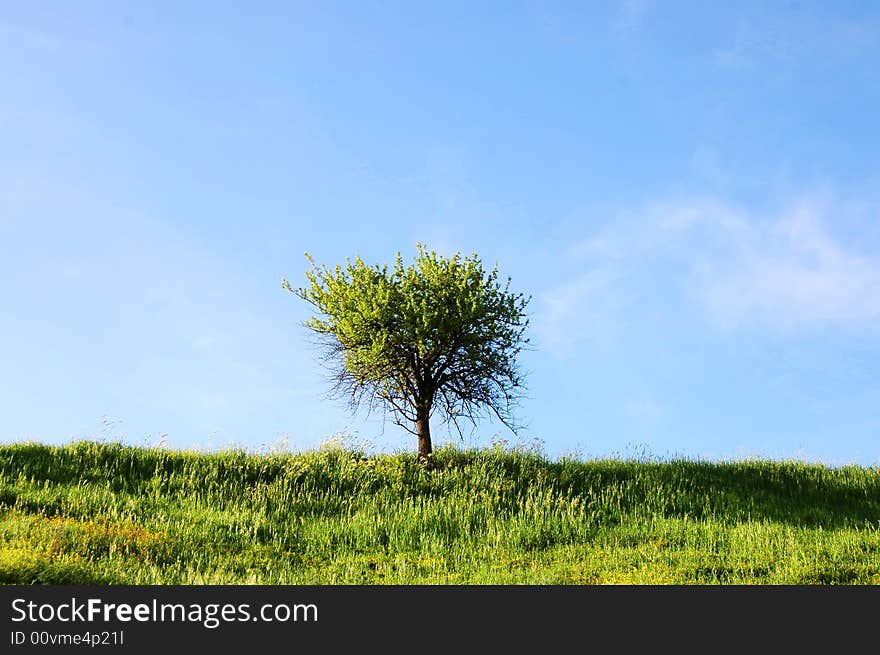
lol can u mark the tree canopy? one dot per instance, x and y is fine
(440, 335)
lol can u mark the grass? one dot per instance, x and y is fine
(99, 513)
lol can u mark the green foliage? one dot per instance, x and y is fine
(440, 334)
(105, 513)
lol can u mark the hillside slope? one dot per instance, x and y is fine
(107, 513)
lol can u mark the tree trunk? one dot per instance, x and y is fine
(423, 427)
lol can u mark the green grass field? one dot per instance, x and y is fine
(101, 513)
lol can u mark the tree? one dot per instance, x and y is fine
(440, 335)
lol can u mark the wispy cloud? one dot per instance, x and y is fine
(791, 272)
(785, 270)
(564, 319)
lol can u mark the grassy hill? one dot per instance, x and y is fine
(106, 513)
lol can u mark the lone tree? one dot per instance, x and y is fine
(440, 335)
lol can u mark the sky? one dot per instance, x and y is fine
(689, 192)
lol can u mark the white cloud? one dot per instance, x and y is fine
(740, 268)
(563, 321)
(792, 272)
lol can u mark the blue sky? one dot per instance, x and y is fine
(690, 193)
